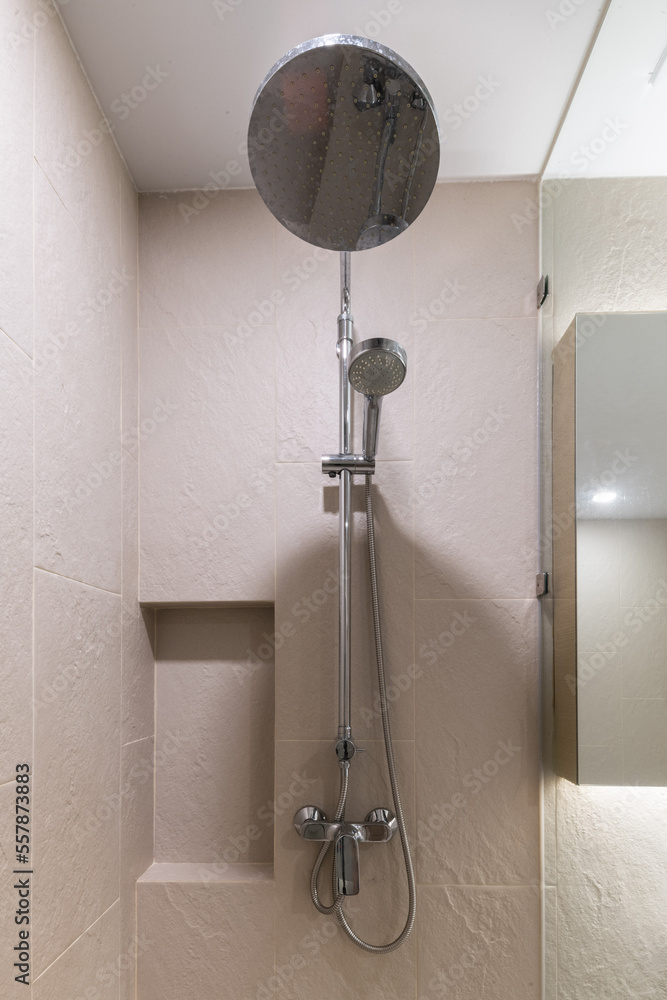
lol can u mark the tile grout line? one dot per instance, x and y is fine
(33, 630)
(123, 487)
(81, 583)
(9, 337)
(78, 938)
(531, 316)
(141, 739)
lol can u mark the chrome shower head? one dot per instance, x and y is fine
(343, 143)
(376, 367)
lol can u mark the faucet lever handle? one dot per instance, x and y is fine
(347, 864)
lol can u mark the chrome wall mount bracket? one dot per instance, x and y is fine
(357, 465)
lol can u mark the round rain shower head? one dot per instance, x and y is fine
(343, 143)
(377, 367)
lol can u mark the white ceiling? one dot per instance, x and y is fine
(616, 87)
(216, 53)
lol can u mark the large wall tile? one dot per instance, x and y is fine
(215, 696)
(476, 252)
(72, 145)
(599, 712)
(207, 940)
(592, 219)
(382, 297)
(645, 741)
(479, 941)
(642, 558)
(598, 765)
(16, 206)
(307, 603)
(475, 460)
(644, 658)
(329, 963)
(306, 362)
(211, 268)
(598, 567)
(16, 532)
(550, 956)
(597, 620)
(550, 860)
(477, 743)
(77, 411)
(76, 760)
(207, 520)
(611, 847)
(137, 768)
(137, 623)
(91, 963)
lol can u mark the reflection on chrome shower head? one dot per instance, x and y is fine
(343, 143)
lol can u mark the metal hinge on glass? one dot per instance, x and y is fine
(543, 290)
(541, 584)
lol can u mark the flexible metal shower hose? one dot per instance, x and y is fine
(337, 904)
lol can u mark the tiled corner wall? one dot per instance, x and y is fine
(603, 247)
(76, 662)
(237, 346)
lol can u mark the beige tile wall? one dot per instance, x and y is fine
(205, 939)
(238, 334)
(604, 250)
(77, 703)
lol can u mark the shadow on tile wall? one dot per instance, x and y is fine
(463, 690)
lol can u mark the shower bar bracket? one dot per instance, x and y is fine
(357, 465)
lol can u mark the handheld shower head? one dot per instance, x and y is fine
(376, 367)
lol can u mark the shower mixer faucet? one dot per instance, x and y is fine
(379, 826)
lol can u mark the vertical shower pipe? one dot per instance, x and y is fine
(344, 346)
